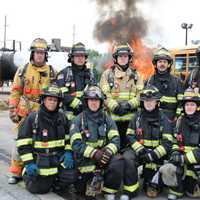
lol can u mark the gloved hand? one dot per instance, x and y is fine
(118, 110)
(78, 109)
(148, 157)
(32, 169)
(126, 105)
(97, 156)
(68, 160)
(13, 115)
(140, 152)
(177, 158)
(107, 155)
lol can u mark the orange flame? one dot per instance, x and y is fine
(142, 59)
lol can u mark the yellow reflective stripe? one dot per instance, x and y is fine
(109, 190)
(190, 156)
(171, 191)
(88, 151)
(160, 151)
(140, 87)
(168, 99)
(75, 103)
(112, 104)
(112, 134)
(50, 144)
(26, 157)
(168, 136)
(126, 117)
(134, 102)
(112, 147)
(180, 96)
(67, 137)
(131, 188)
(178, 111)
(191, 173)
(75, 136)
(64, 89)
(188, 148)
(70, 116)
(175, 147)
(130, 131)
(48, 172)
(86, 169)
(151, 166)
(68, 147)
(22, 142)
(151, 143)
(79, 94)
(105, 88)
(137, 146)
(98, 143)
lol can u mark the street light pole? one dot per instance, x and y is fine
(186, 27)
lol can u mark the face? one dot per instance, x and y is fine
(122, 59)
(150, 105)
(79, 59)
(190, 107)
(94, 104)
(51, 103)
(162, 65)
(39, 57)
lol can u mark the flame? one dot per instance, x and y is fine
(142, 58)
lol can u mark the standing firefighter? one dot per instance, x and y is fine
(169, 86)
(186, 150)
(44, 146)
(28, 83)
(150, 138)
(193, 79)
(121, 85)
(95, 140)
(73, 79)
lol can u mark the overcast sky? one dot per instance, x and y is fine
(55, 19)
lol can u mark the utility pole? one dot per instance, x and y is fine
(5, 26)
(186, 27)
(74, 33)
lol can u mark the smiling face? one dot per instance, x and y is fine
(150, 105)
(51, 103)
(94, 104)
(190, 107)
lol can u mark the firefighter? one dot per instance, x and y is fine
(186, 149)
(121, 84)
(193, 79)
(95, 140)
(73, 79)
(29, 81)
(44, 146)
(150, 138)
(169, 86)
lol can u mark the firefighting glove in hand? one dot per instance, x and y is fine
(13, 115)
(118, 110)
(126, 105)
(97, 155)
(148, 157)
(78, 109)
(177, 158)
(68, 160)
(32, 169)
(107, 154)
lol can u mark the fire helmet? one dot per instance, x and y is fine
(190, 95)
(39, 44)
(123, 48)
(78, 48)
(150, 92)
(162, 54)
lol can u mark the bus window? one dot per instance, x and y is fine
(180, 62)
(192, 62)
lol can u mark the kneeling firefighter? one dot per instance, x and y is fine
(150, 138)
(95, 141)
(186, 149)
(43, 145)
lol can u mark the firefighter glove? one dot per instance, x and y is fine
(119, 110)
(107, 154)
(177, 158)
(13, 115)
(150, 156)
(68, 160)
(126, 105)
(32, 169)
(78, 109)
(97, 156)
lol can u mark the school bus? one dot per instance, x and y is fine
(184, 61)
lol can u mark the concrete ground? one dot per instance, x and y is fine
(18, 192)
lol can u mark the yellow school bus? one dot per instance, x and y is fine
(184, 61)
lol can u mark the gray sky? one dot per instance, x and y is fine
(55, 19)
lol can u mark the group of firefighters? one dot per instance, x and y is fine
(72, 130)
